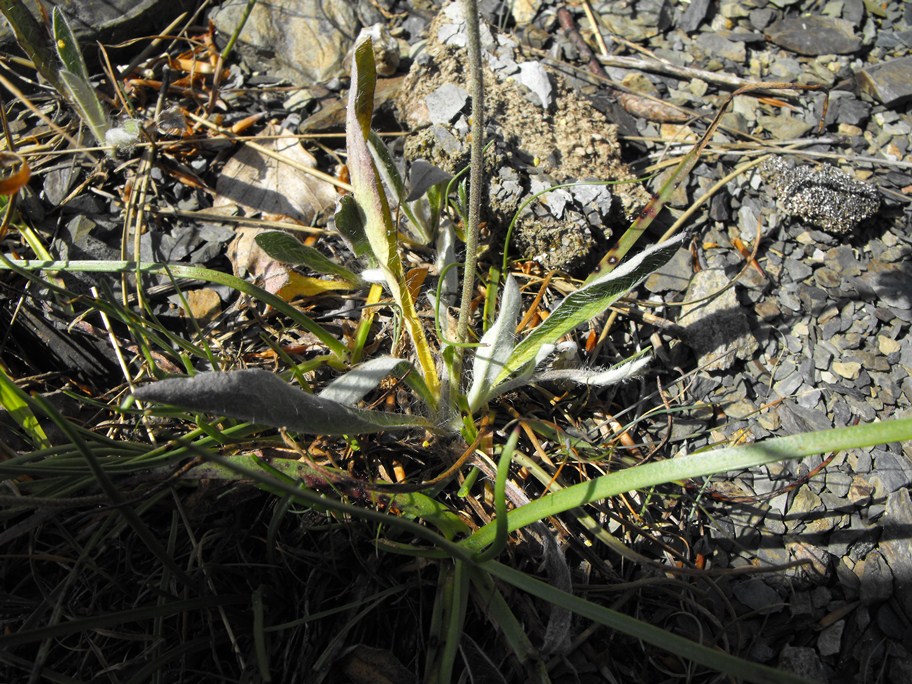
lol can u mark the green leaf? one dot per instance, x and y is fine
(349, 220)
(418, 505)
(287, 249)
(68, 47)
(588, 302)
(87, 104)
(260, 397)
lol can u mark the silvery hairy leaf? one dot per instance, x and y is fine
(495, 347)
(258, 396)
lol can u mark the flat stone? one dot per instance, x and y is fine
(715, 45)
(805, 501)
(890, 473)
(524, 11)
(534, 77)
(693, 16)
(445, 103)
(758, 596)
(717, 330)
(802, 661)
(674, 275)
(838, 482)
(896, 545)
(887, 346)
(847, 369)
(830, 640)
(302, 41)
(876, 579)
(784, 127)
(761, 18)
(108, 21)
(814, 35)
(889, 82)
(816, 561)
(890, 283)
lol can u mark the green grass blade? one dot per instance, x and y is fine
(15, 401)
(500, 501)
(699, 465)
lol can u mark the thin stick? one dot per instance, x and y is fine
(476, 84)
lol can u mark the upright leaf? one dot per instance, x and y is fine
(67, 47)
(379, 229)
(495, 347)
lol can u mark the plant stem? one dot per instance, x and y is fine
(476, 85)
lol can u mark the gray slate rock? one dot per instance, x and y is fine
(814, 35)
(876, 579)
(758, 596)
(693, 16)
(108, 21)
(896, 545)
(802, 661)
(889, 82)
(715, 45)
(718, 330)
(302, 41)
(445, 103)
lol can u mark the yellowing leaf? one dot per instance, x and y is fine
(300, 285)
(252, 262)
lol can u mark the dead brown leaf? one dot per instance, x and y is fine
(259, 183)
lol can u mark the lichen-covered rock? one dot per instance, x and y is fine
(541, 133)
(827, 198)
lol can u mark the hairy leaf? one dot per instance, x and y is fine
(378, 222)
(260, 397)
(289, 250)
(589, 301)
(351, 388)
(593, 377)
(67, 46)
(86, 102)
(495, 347)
